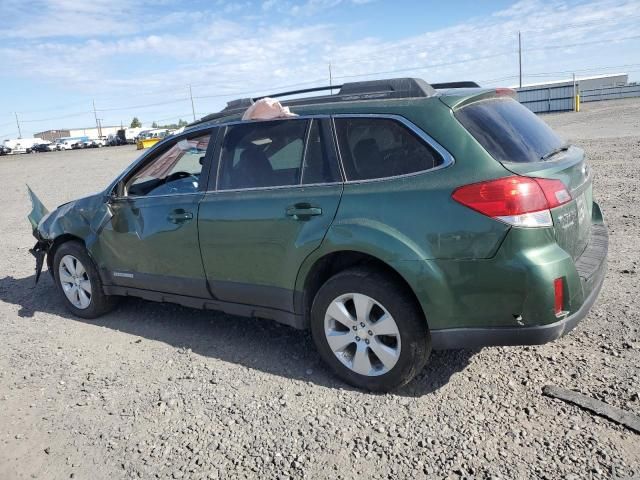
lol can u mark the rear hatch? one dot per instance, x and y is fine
(525, 145)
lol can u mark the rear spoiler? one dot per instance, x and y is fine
(459, 99)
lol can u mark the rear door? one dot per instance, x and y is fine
(527, 146)
(277, 192)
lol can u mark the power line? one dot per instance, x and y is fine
(174, 117)
(142, 106)
(418, 47)
(58, 118)
(478, 58)
(312, 82)
(435, 65)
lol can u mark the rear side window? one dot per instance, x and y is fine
(509, 131)
(381, 147)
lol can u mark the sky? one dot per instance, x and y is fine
(139, 57)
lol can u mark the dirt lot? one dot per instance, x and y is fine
(155, 390)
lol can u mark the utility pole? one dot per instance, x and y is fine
(95, 114)
(330, 80)
(18, 123)
(520, 56)
(193, 109)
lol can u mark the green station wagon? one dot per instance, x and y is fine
(392, 218)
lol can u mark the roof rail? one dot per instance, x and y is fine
(365, 90)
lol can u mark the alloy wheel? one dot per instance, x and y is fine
(362, 334)
(75, 281)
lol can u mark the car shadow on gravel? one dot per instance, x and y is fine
(254, 343)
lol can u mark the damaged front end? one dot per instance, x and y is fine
(81, 220)
(42, 246)
(39, 251)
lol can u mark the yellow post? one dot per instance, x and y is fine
(577, 103)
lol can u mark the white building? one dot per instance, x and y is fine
(91, 132)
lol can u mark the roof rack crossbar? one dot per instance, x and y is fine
(297, 92)
(394, 87)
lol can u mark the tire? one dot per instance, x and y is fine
(405, 350)
(65, 267)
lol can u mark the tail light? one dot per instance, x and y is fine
(518, 201)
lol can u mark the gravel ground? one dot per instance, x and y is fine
(161, 391)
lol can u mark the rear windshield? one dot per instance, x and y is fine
(509, 131)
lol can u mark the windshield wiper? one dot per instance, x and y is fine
(555, 151)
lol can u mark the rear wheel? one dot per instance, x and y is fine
(78, 281)
(369, 330)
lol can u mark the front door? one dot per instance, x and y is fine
(151, 241)
(278, 189)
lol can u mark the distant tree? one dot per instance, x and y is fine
(172, 126)
(135, 123)
(154, 125)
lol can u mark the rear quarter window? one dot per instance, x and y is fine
(373, 147)
(509, 131)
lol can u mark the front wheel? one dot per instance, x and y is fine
(370, 330)
(78, 281)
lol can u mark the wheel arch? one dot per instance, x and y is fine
(59, 240)
(324, 267)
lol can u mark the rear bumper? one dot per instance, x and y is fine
(455, 338)
(591, 268)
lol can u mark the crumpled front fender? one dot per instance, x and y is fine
(38, 210)
(83, 219)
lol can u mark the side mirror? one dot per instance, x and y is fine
(115, 193)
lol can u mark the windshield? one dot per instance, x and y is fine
(509, 131)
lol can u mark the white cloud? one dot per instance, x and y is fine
(128, 62)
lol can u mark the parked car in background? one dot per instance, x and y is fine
(67, 143)
(22, 145)
(80, 144)
(114, 140)
(423, 217)
(129, 135)
(44, 147)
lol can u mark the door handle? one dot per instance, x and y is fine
(303, 212)
(179, 216)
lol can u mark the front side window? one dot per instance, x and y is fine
(262, 154)
(373, 147)
(175, 171)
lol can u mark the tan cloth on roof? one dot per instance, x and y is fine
(267, 109)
